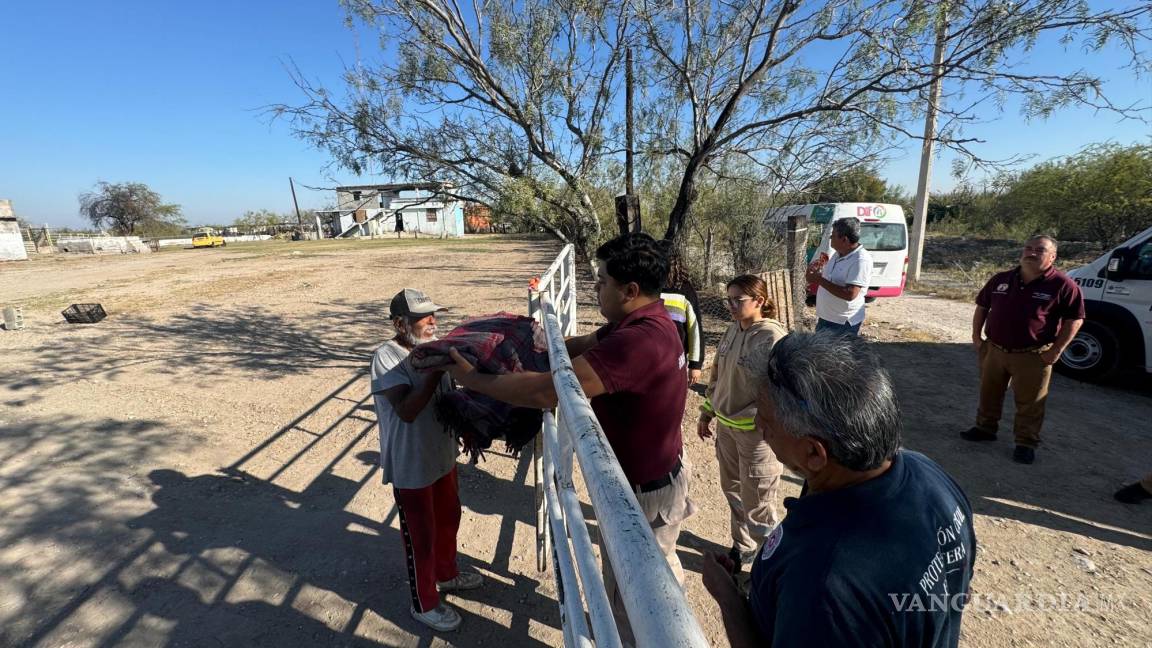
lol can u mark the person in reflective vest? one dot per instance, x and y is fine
(749, 472)
(683, 305)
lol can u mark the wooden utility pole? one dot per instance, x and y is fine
(628, 204)
(796, 238)
(629, 169)
(299, 220)
(920, 212)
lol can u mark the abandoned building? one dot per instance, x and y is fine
(414, 207)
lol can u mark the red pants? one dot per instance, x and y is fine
(429, 519)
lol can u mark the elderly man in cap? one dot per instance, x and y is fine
(418, 457)
(878, 550)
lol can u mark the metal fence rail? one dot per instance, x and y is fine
(656, 606)
(558, 283)
(571, 611)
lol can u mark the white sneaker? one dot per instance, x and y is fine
(441, 617)
(463, 581)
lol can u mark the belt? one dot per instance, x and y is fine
(657, 484)
(1031, 349)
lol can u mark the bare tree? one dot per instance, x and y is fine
(128, 208)
(515, 103)
(506, 100)
(788, 84)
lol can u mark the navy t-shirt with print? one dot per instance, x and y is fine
(883, 563)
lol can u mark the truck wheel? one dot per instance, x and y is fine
(1093, 355)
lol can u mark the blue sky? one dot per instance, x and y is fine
(169, 94)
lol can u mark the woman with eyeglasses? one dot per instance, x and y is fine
(749, 471)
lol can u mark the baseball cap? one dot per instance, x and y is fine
(410, 302)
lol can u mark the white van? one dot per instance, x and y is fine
(883, 232)
(1117, 332)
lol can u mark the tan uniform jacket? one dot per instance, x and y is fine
(731, 393)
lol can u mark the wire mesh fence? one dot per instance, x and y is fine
(713, 254)
(715, 249)
(715, 315)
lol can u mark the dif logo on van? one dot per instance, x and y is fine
(870, 211)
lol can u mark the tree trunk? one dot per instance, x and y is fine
(684, 199)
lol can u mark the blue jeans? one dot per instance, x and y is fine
(843, 329)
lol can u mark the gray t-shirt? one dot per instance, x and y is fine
(416, 454)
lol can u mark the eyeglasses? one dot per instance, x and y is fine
(735, 302)
(1037, 250)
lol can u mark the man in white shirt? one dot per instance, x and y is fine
(418, 457)
(842, 281)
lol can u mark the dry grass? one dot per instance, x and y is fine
(213, 275)
(331, 246)
(958, 281)
(957, 267)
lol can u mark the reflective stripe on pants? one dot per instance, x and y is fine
(750, 479)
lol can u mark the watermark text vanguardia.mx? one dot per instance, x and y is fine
(1017, 602)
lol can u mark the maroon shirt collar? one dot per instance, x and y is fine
(647, 310)
(1048, 274)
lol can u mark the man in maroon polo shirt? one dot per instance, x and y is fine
(633, 370)
(1029, 315)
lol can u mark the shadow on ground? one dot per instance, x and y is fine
(1095, 438)
(229, 558)
(208, 341)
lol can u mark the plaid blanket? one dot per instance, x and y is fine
(495, 344)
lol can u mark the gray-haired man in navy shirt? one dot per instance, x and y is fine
(878, 550)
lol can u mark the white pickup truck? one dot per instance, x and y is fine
(1117, 333)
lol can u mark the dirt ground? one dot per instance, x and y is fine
(956, 267)
(198, 469)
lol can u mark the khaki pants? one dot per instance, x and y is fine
(666, 509)
(750, 479)
(1029, 378)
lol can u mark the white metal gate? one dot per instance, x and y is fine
(657, 609)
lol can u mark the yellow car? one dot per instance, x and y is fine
(208, 239)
